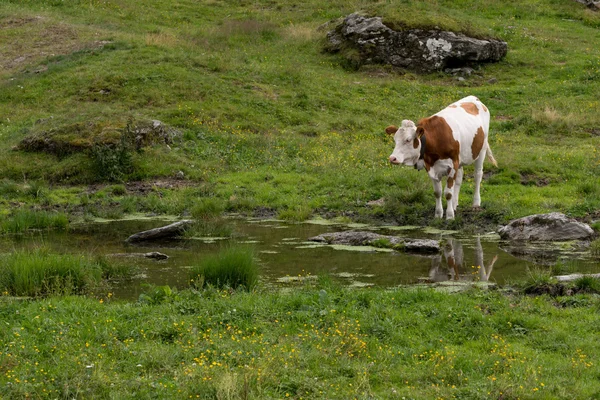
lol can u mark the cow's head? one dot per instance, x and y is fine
(408, 145)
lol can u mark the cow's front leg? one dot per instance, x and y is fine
(437, 191)
(449, 192)
(457, 184)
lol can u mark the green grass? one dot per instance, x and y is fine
(372, 343)
(232, 267)
(39, 273)
(25, 220)
(260, 133)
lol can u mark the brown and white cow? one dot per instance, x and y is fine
(443, 143)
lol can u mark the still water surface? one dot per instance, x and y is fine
(285, 255)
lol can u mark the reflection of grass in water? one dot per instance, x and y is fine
(208, 221)
(214, 227)
(233, 267)
(595, 248)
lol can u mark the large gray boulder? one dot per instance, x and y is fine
(415, 49)
(546, 227)
(591, 4)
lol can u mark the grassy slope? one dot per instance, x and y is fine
(271, 121)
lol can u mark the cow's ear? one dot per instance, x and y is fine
(390, 130)
(420, 131)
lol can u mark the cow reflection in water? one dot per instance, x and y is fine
(455, 270)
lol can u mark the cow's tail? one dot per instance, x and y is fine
(490, 156)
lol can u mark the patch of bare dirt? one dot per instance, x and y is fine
(29, 40)
(145, 187)
(594, 131)
(533, 179)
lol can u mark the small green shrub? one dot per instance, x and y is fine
(155, 295)
(233, 267)
(24, 220)
(113, 161)
(39, 273)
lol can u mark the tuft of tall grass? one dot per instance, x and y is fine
(39, 273)
(233, 267)
(296, 214)
(24, 220)
(538, 281)
(587, 284)
(206, 208)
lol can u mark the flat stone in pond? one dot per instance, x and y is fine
(362, 238)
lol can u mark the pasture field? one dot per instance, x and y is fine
(318, 341)
(270, 122)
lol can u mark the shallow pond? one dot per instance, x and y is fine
(287, 257)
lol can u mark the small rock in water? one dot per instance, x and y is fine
(156, 255)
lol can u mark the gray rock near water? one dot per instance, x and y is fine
(361, 238)
(155, 255)
(415, 49)
(546, 227)
(164, 232)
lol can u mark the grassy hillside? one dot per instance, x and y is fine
(267, 120)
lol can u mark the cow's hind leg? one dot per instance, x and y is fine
(437, 191)
(478, 176)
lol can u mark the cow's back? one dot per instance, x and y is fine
(469, 120)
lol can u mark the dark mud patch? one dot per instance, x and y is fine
(140, 188)
(554, 290)
(530, 179)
